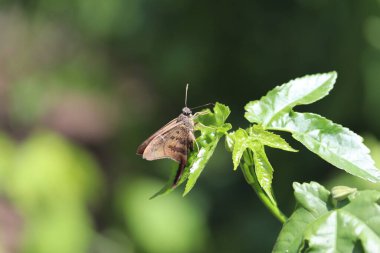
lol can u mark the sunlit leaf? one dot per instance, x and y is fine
(282, 99)
(229, 141)
(210, 136)
(318, 225)
(247, 166)
(332, 142)
(269, 139)
(240, 145)
(199, 163)
(240, 140)
(248, 153)
(250, 172)
(263, 170)
(221, 114)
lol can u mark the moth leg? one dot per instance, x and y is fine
(180, 170)
(192, 140)
(200, 113)
(203, 126)
(190, 146)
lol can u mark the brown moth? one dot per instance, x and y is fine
(172, 141)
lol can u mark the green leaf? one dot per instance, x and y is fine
(282, 99)
(263, 170)
(237, 142)
(221, 113)
(210, 136)
(229, 141)
(240, 138)
(213, 119)
(247, 165)
(199, 164)
(312, 197)
(269, 139)
(332, 142)
(249, 153)
(318, 226)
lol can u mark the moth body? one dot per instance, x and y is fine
(172, 141)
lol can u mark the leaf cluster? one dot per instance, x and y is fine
(333, 221)
(323, 221)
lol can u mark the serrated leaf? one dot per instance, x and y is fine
(263, 170)
(210, 136)
(221, 113)
(240, 140)
(216, 118)
(269, 139)
(319, 226)
(282, 99)
(199, 163)
(229, 141)
(257, 170)
(332, 142)
(247, 165)
(240, 145)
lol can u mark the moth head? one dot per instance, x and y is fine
(186, 111)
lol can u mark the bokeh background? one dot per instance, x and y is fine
(83, 83)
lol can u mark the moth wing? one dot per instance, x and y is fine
(173, 123)
(172, 144)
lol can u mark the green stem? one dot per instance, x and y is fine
(250, 176)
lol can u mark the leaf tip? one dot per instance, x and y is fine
(185, 192)
(334, 73)
(296, 185)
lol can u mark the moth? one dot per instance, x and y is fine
(173, 141)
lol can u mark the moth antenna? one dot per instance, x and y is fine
(187, 87)
(202, 106)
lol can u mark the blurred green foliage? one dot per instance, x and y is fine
(50, 182)
(100, 76)
(167, 219)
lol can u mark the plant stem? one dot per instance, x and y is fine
(250, 176)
